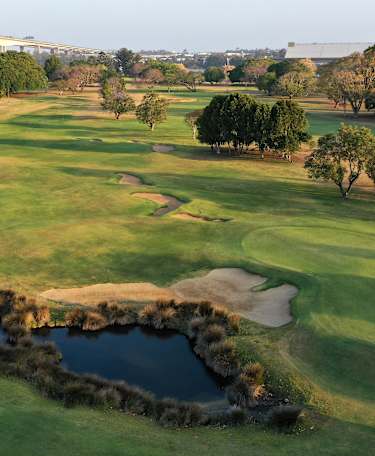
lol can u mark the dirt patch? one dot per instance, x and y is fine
(198, 218)
(162, 148)
(129, 179)
(168, 203)
(231, 287)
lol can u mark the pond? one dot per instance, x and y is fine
(161, 362)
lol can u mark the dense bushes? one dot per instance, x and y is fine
(206, 325)
(239, 122)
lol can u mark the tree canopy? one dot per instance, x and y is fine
(125, 59)
(214, 75)
(152, 110)
(19, 71)
(239, 120)
(51, 66)
(343, 157)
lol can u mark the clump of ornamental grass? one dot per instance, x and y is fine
(115, 314)
(210, 335)
(94, 321)
(75, 318)
(222, 358)
(248, 388)
(159, 315)
(7, 298)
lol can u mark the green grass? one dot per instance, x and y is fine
(66, 222)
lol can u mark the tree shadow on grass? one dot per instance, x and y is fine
(79, 145)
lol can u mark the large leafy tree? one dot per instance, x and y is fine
(353, 78)
(125, 59)
(288, 128)
(19, 71)
(214, 75)
(267, 83)
(152, 110)
(343, 157)
(51, 67)
(115, 97)
(296, 84)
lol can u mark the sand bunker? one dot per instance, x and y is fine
(231, 287)
(129, 179)
(162, 148)
(168, 203)
(198, 218)
(234, 288)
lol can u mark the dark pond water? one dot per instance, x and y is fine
(162, 362)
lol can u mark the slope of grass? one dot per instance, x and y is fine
(66, 222)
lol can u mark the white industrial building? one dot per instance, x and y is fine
(324, 52)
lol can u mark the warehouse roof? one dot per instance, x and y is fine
(324, 50)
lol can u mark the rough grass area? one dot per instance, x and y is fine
(66, 222)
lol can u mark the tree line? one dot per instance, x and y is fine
(239, 121)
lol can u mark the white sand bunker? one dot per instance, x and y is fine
(168, 203)
(230, 287)
(234, 288)
(129, 179)
(163, 148)
(198, 218)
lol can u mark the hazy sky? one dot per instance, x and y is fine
(192, 24)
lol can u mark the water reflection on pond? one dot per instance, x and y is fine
(162, 362)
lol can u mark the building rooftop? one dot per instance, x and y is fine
(324, 50)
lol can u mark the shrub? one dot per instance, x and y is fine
(7, 298)
(110, 397)
(222, 358)
(42, 315)
(147, 314)
(284, 416)
(253, 373)
(94, 321)
(80, 393)
(118, 314)
(15, 332)
(75, 317)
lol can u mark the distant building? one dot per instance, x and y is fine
(321, 53)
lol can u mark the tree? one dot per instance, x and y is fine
(354, 78)
(210, 124)
(215, 60)
(333, 90)
(152, 110)
(214, 75)
(152, 76)
(51, 66)
(228, 119)
(125, 60)
(267, 83)
(118, 103)
(191, 80)
(296, 84)
(261, 127)
(343, 157)
(370, 102)
(19, 71)
(191, 119)
(115, 97)
(288, 128)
